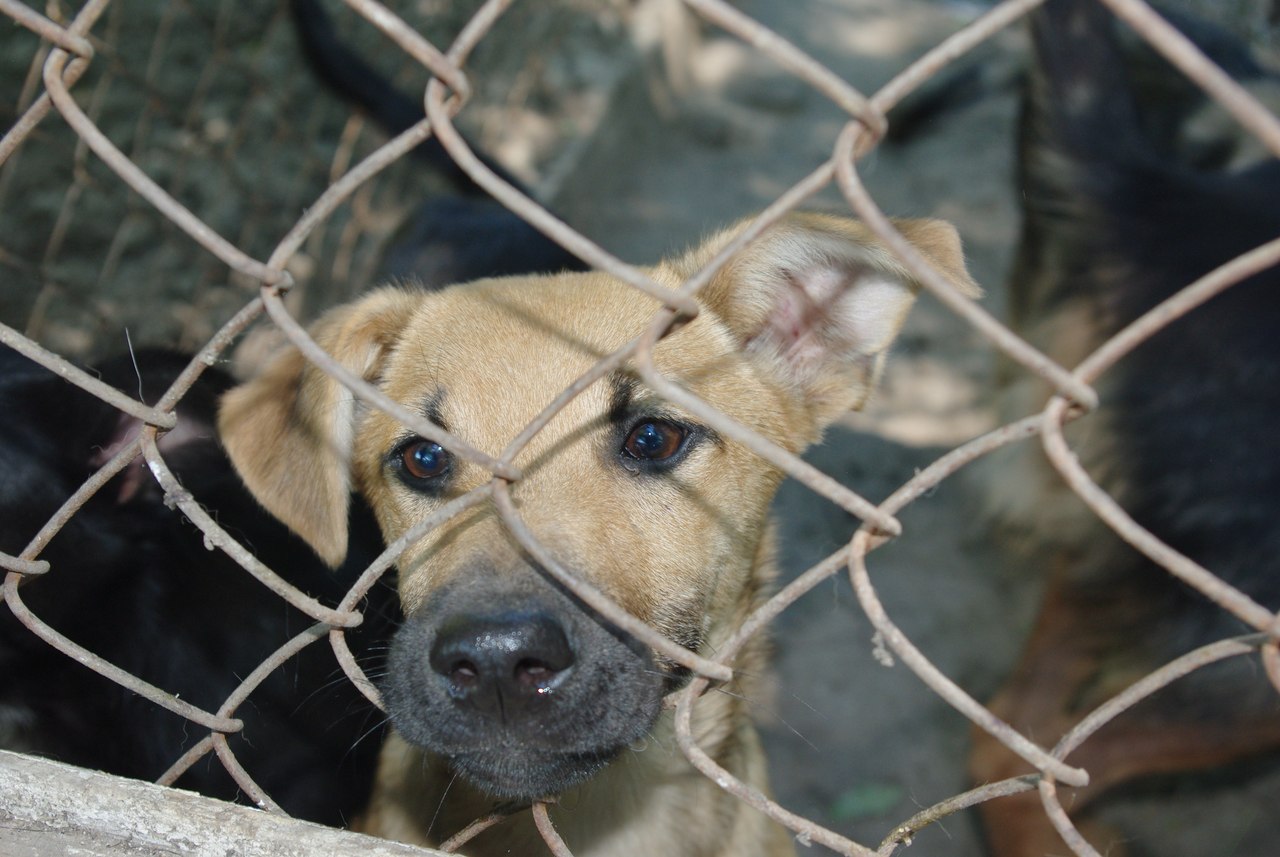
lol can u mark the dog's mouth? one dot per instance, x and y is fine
(511, 774)
(524, 697)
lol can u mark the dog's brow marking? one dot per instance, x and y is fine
(433, 409)
(622, 389)
(625, 388)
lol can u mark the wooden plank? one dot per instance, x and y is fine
(48, 809)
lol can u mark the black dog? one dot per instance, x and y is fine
(449, 239)
(131, 580)
(1186, 439)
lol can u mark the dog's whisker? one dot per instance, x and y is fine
(337, 678)
(800, 699)
(381, 724)
(443, 795)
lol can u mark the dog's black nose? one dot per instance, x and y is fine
(500, 664)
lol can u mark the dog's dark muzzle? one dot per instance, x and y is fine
(524, 691)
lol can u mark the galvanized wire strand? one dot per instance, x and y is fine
(474, 829)
(414, 45)
(1117, 705)
(197, 752)
(901, 836)
(794, 61)
(1176, 306)
(250, 683)
(922, 482)
(1271, 659)
(229, 761)
(537, 216)
(955, 46)
(785, 460)
(667, 319)
(25, 567)
(1149, 684)
(76, 501)
(40, 25)
(542, 819)
(85, 381)
(808, 830)
(1061, 821)
(340, 190)
(73, 38)
(474, 30)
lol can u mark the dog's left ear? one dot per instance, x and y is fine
(290, 431)
(819, 299)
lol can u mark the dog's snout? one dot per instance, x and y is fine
(497, 664)
(522, 692)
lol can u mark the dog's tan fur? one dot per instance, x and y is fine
(792, 333)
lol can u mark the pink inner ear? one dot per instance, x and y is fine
(802, 314)
(135, 476)
(131, 479)
(831, 313)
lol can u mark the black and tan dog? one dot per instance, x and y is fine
(1116, 220)
(502, 686)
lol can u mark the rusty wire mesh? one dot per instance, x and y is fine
(70, 50)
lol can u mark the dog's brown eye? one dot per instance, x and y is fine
(655, 440)
(424, 459)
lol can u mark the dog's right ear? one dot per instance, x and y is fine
(819, 299)
(289, 432)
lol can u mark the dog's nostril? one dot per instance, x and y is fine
(533, 673)
(464, 673)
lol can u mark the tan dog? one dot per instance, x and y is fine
(500, 685)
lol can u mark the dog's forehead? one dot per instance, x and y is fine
(514, 343)
(578, 317)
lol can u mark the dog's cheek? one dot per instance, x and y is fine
(736, 491)
(449, 555)
(376, 434)
(407, 688)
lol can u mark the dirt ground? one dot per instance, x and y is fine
(642, 158)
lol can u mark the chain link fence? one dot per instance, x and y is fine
(245, 272)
